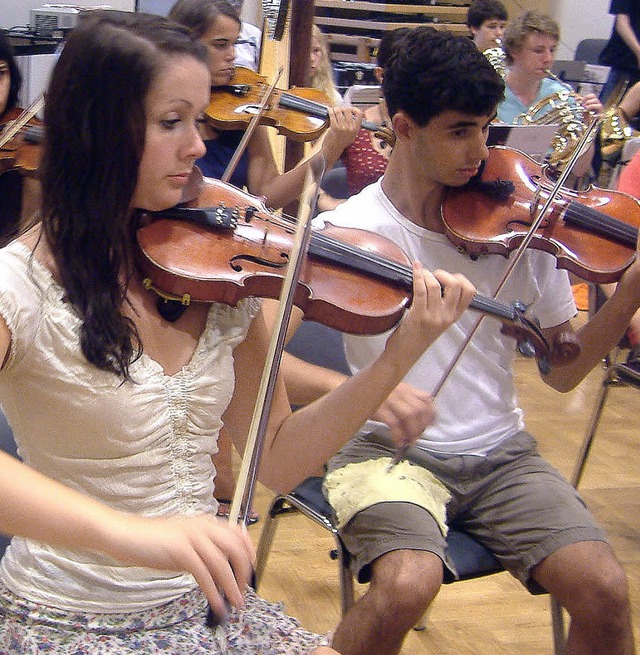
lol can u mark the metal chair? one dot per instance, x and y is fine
(322, 346)
(9, 446)
(589, 50)
(471, 558)
(616, 374)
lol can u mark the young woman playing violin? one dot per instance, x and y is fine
(217, 25)
(530, 42)
(475, 466)
(320, 72)
(107, 397)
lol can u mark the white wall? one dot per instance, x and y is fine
(16, 13)
(580, 19)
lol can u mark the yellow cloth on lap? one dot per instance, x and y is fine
(355, 487)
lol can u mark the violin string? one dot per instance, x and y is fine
(391, 271)
(402, 272)
(302, 104)
(316, 109)
(601, 223)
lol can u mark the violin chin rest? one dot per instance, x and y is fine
(170, 310)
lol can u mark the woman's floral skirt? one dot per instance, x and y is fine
(176, 628)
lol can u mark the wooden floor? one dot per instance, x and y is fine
(494, 615)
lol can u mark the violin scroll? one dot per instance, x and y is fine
(565, 348)
(532, 342)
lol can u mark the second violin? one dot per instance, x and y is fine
(301, 113)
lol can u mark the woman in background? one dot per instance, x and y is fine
(216, 23)
(320, 71)
(19, 194)
(365, 160)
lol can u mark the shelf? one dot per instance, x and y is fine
(354, 27)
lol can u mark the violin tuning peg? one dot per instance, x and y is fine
(526, 348)
(544, 366)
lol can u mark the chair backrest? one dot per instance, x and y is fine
(589, 50)
(334, 182)
(320, 345)
(9, 446)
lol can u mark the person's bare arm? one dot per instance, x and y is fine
(625, 30)
(297, 444)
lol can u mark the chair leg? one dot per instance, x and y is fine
(266, 538)
(581, 462)
(559, 633)
(346, 578)
(281, 506)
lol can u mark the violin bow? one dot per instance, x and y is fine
(22, 120)
(241, 502)
(242, 146)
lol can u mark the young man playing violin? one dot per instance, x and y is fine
(475, 467)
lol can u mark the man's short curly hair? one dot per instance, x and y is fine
(434, 71)
(484, 10)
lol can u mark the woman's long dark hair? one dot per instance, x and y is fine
(94, 139)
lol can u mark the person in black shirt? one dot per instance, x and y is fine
(622, 52)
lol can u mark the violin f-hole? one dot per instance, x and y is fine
(261, 261)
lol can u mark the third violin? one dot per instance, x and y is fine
(592, 233)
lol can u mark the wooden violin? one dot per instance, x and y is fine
(227, 246)
(301, 113)
(21, 139)
(591, 233)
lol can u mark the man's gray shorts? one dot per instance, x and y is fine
(512, 501)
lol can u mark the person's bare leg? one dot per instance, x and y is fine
(403, 584)
(590, 584)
